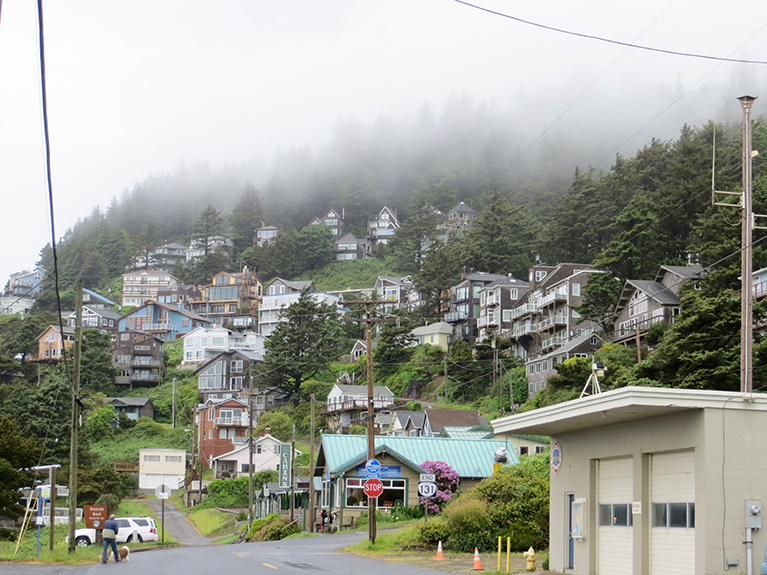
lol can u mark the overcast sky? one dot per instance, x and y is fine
(136, 87)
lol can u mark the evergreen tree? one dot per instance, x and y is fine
(146, 242)
(415, 236)
(208, 227)
(247, 215)
(301, 346)
(314, 247)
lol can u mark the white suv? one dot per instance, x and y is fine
(129, 529)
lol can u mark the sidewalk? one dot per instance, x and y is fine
(177, 524)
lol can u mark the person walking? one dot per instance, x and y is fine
(109, 534)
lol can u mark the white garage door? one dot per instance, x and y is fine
(672, 493)
(615, 537)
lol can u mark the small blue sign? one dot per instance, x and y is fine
(373, 468)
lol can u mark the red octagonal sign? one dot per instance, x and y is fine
(373, 487)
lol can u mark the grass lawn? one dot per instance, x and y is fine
(212, 522)
(402, 546)
(28, 549)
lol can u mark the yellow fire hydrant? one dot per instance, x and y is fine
(530, 556)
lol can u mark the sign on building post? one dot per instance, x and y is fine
(285, 461)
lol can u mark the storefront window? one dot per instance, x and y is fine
(394, 493)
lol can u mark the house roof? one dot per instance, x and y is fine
(623, 405)
(567, 347)
(247, 354)
(108, 314)
(437, 327)
(484, 277)
(169, 307)
(470, 458)
(377, 389)
(462, 208)
(294, 285)
(98, 296)
(68, 329)
(439, 418)
(132, 401)
(684, 272)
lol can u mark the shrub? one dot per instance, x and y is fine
(447, 480)
(8, 534)
(434, 531)
(469, 527)
(271, 528)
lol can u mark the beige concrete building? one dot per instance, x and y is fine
(158, 466)
(654, 480)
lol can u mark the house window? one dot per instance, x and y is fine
(237, 366)
(152, 458)
(222, 433)
(576, 315)
(576, 289)
(210, 434)
(540, 448)
(236, 383)
(173, 459)
(394, 493)
(540, 274)
(524, 450)
(210, 414)
(258, 449)
(184, 323)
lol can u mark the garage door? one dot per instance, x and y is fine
(615, 536)
(672, 493)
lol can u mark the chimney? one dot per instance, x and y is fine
(266, 431)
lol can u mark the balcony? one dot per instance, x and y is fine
(548, 299)
(492, 299)
(524, 309)
(456, 316)
(488, 320)
(552, 320)
(137, 378)
(144, 363)
(558, 339)
(526, 328)
(357, 404)
(232, 421)
(158, 327)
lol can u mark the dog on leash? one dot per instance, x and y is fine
(123, 552)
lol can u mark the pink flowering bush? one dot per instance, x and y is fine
(447, 484)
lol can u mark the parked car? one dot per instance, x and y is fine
(129, 529)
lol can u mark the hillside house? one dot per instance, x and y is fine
(281, 294)
(222, 426)
(143, 285)
(333, 220)
(393, 289)
(644, 303)
(348, 247)
(227, 374)
(464, 304)
(544, 318)
(265, 235)
(138, 361)
(202, 246)
(25, 283)
(495, 302)
(134, 408)
(382, 226)
(439, 333)
(179, 295)
(12, 305)
(229, 294)
(96, 301)
(346, 404)
(540, 368)
(460, 219)
(205, 343)
(165, 321)
(236, 463)
(51, 345)
(104, 320)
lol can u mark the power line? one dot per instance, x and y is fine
(608, 40)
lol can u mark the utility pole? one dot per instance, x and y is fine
(311, 468)
(748, 225)
(250, 455)
(75, 423)
(746, 302)
(369, 321)
(495, 374)
(293, 475)
(174, 403)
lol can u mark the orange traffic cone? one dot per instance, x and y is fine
(477, 562)
(439, 552)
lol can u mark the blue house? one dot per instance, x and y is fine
(162, 320)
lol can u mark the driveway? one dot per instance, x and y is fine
(176, 523)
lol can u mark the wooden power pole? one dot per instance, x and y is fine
(369, 321)
(75, 423)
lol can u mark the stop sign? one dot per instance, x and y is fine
(373, 487)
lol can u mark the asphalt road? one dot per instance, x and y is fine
(308, 556)
(177, 525)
